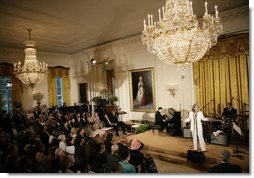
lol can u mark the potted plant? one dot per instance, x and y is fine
(96, 99)
(113, 100)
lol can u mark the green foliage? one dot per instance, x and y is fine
(113, 99)
(96, 98)
(143, 128)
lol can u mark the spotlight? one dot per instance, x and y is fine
(93, 61)
(8, 84)
(106, 62)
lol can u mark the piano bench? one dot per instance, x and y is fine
(157, 127)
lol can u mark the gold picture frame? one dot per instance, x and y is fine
(142, 90)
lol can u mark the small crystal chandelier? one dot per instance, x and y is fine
(33, 71)
(177, 37)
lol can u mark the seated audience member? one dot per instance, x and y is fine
(113, 158)
(81, 131)
(83, 117)
(73, 122)
(56, 110)
(137, 158)
(101, 137)
(126, 166)
(108, 123)
(123, 146)
(100, 159)
(97, 122)
(37, 112)
(114, 118)
(45, 109)
(108, 143)
(12, 160)
(50, 156)
(65, 164)
(225, 166)
(89, 118)
(66, 128)
(70, 148)
(44, 136)
(79, 121)
(80, 156)
(29, 116)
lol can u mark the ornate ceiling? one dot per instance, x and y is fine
(67, 26)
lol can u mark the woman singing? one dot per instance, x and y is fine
(195, 118)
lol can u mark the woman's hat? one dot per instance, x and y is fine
(135, 144)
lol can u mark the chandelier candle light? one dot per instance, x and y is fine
(177, 37)
(33, 71)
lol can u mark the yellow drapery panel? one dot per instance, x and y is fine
(223, 74)
(6, 69)
(53, 73)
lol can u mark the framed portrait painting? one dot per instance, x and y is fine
(142, 92)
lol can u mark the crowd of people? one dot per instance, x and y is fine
(44, 141)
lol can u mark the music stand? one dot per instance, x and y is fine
(237, 151)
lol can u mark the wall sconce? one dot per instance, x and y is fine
(172, 89)
(38, 96)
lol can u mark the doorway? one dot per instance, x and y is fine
(83, 92)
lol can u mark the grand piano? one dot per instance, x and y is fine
(174, 119)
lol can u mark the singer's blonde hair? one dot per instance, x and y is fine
(194, 106)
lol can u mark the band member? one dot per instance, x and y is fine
(229, 112)
(160, 120)
(195, 118)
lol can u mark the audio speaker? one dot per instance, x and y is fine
(221, 139)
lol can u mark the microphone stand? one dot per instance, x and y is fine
(207, 105)
(243, 110)
(207, 126)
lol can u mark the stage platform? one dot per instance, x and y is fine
(169, 153)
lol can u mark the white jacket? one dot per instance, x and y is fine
(200, 117)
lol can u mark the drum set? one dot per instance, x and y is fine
(218, 122)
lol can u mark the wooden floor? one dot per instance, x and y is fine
(170, 153)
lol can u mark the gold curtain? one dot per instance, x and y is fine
(6, 69)
(223, 74)
(53, 73)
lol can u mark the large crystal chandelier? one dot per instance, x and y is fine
(33, 71)
(177, 37)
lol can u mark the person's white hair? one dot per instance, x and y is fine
(114, 149)
(61, 137)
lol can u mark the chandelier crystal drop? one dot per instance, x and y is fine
(177, 38)
(33, 71)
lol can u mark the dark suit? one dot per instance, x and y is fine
(159, 121)
(114, 120)
(229, 113)
(225, 168)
